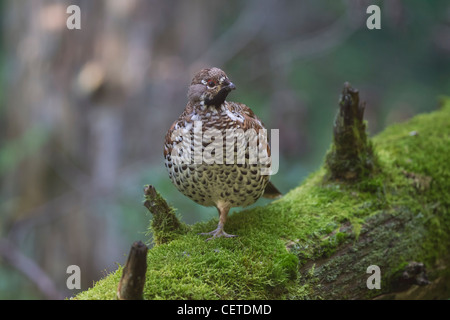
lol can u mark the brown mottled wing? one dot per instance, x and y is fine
(169, 143)
(252, 121)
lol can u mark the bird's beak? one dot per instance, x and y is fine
(230, 86)
(220, 97)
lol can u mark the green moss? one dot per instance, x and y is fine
(165, 225)
(163, 228)
(280, 249)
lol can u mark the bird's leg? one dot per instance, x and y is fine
(219, 232)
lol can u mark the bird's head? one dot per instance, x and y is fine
(210, 86)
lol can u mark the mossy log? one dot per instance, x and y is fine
(318, 241)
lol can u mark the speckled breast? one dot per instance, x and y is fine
(239, 181)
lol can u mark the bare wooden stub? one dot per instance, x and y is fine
(131, 285)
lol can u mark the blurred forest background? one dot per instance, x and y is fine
(83, 113)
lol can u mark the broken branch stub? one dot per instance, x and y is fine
(165, 225)
(131, 285)
(351, 156)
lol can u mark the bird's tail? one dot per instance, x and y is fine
(271, 192)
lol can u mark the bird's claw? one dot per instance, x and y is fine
(218, 233)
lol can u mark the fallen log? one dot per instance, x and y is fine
(327, 238)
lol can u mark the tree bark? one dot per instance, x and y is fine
(131, 285)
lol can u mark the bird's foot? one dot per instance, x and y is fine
(218, 233)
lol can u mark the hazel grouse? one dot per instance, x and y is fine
(216, 183)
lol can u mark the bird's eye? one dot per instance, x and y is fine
(211, 83)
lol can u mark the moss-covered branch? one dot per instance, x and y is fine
(319, 239)
(165, 225)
